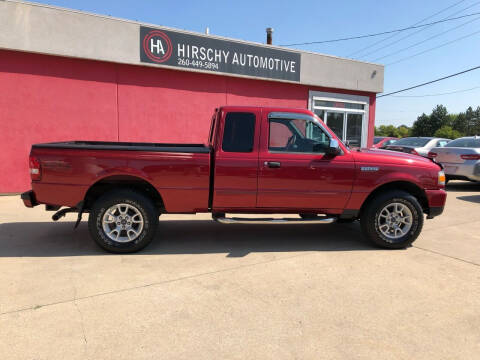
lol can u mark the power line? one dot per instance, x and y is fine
(417, 23)
(430, 82)
(416, 32)
(423, 41)
(434, 48)
(381, 33)
(440, 94)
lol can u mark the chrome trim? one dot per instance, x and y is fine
(319, 220)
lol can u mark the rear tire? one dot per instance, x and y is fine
(392, 220)
(123, 221)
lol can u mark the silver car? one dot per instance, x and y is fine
(460, 158)
(417, 145)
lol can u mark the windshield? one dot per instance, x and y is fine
(417, 142)
(377, 139)
(465, 142)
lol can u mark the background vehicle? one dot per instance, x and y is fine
(460, 158)
(417, 145)
(258, 160)
(382, 141)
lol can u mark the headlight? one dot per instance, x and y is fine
(441, 178)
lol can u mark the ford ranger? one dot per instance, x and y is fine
(257, 160)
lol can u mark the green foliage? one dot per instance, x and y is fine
(447, 132)
(439, 123)
(392, 131)
(422, 126)
(403, 131)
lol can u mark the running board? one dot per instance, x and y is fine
(317, 220)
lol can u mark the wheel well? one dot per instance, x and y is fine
(406, 186)
(122, 181)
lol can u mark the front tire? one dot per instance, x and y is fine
(392, 220)
(123, 221)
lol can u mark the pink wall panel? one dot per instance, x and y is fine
(44, 99)
(167, 106)
(266, 93)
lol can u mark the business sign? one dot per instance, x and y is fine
(181, 50)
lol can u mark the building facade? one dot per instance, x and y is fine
(69, 75)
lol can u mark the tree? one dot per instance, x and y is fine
(439, 117)
(470, 120)
(475, 130)
(459, 123)
(403, 131)
(392, 131)
(421, 126)
(447, 132)
(426, 125)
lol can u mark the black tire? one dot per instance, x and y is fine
(136, 201)
(369, 220)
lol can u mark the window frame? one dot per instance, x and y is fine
(345, 98)
(224, 126)
(291, 117)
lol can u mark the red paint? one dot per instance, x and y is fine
(48, 98)
(304, 183)
(236, 173)
(380, 144)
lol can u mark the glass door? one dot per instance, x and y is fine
(335, 121)
(354, 129)
(346, 115)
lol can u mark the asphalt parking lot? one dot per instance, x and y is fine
(208, 291)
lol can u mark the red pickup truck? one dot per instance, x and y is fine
(257, 160)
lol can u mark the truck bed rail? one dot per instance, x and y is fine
(128, 146)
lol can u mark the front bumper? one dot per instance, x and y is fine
(436, 202)
(29, 199)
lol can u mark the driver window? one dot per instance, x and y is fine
(296, 135)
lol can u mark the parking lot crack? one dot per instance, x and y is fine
(445, 255)
(75, 298)
(72, 281)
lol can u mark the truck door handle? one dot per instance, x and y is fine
(272, 164)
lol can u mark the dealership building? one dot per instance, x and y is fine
(70, 75)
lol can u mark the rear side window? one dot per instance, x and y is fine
(239, 132)
(465, 142)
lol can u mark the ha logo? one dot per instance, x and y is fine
(157, 46)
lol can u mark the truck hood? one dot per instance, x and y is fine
(379, 156)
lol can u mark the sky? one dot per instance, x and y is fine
(305, 21)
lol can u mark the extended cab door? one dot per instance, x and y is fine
(236, 159)
(294, 171)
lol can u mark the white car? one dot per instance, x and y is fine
(460, 158)
(417, 145)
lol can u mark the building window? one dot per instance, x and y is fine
(346, 115)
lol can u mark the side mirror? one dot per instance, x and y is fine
(334, 148)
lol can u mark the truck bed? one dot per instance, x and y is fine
(129, 146)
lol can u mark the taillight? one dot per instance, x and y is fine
(470, 157)
(413, 152)
(35, 168)
(432, 155)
